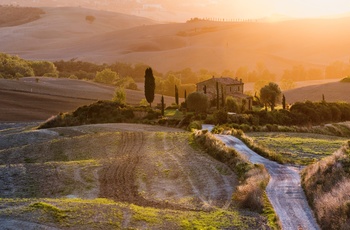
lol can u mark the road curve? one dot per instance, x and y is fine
(284, 190)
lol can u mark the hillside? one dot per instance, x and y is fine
(114, 176)
(28, 100)
(63, 33)
(333, 92)
(13, 16)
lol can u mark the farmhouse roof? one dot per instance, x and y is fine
(224, 81)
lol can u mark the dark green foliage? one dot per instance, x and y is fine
(283, 102)
(217, 96)
(270, 94)
(220, 117)
(197, 102)
(176, 95)
(222, 97)
(162, 101)
(99, 112)
(150, 86)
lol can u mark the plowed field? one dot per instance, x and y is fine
(47, 174)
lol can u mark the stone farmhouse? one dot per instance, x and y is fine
(231, 87)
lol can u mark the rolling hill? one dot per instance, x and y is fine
(333, 92)
(28, 100)
(64, 33)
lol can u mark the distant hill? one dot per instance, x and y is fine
(333, 92)
(64, 33)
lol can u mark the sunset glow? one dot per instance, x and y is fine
(290, 8)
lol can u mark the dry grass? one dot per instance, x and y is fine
(327, 186)
(250, 193)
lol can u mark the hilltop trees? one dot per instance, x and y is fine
(150, 86)
(270, 94)
(106, 76)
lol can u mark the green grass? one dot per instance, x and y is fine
(173, 113)
(299, 148)
(107, 214)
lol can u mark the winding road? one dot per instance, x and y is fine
(284, 190)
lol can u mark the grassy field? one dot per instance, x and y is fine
(299, 148)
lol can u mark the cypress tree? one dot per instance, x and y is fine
(176, 95)
(222, 97)
(162, 105)
(284, 102)
(217, 96)
(185, 95)
(150, 86)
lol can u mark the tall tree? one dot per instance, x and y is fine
(222, 97)
(162, 101)
(284, 102)
(217, 96)
(270, 94)
(185, 94)
(176, 95)
(150, 86)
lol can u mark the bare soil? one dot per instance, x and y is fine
(144, 165)
(27, 100)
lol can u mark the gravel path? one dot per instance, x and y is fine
(284, 190)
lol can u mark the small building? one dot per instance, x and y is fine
(229, 86)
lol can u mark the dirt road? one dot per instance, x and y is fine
(284, 190)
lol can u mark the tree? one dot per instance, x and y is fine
(185, 96)
(176, 95)
(232, 105)
(270, 94)
(217, 96)
(162, 101)
(106, 76)
(119, 95)
(150, 86)
(222, 97)
(197, 102)
(284, 102)
(90, 18)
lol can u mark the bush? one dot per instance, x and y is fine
(220, 117)
(197, 102)
(194, 125)
(99, 112)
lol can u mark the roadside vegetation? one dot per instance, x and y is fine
(327, 185)
(250, 194)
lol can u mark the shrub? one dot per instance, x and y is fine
(327, 184)
(197, 102)
(194, 125)
(119, 96)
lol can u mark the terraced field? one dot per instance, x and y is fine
(113, 176)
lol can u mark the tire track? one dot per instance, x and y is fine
(118, 178)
